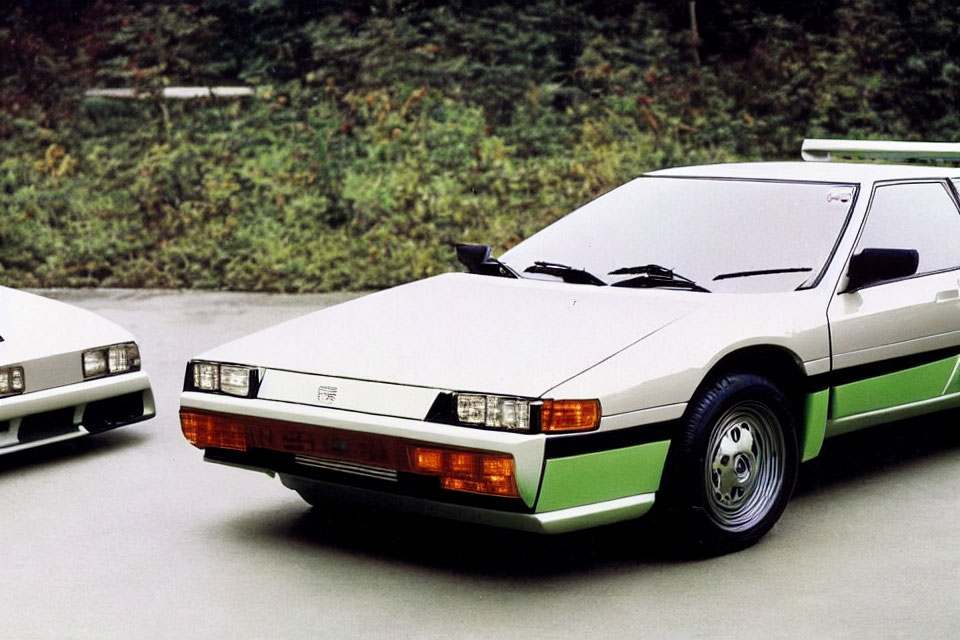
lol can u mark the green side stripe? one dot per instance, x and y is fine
(606, 475)
(815, 423)
(953, 384)
(894, 389)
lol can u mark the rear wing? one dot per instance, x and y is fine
(818, 150)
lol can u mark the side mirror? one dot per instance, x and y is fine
(477, 258)
(473, 255)
(871, 266)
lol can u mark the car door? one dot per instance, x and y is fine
(896, 342)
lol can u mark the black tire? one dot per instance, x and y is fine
(733, 466)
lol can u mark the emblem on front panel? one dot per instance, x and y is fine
(326, 394)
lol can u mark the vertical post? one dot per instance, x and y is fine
(694, 33)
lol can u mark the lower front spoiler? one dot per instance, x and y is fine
(550, 522)
(63, 413)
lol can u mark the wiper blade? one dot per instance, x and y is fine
(761, 272)
(568, 274)
(653, 282)
(654, 275)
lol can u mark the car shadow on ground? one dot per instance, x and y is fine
(70, 450)
(456, 547)
(871, 452)
(497, 553)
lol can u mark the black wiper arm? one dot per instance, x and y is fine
(761, 272)
(568, 274)
(646, 269)
(654, 275)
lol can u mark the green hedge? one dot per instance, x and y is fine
(385, 131)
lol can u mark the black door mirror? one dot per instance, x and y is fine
(477, 258)
(871, 266)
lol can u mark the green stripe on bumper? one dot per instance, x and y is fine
(606, 475)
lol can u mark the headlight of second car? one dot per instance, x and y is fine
(111, 361)
(11, 381)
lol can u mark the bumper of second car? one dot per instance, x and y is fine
(73, 410)
(557, 492)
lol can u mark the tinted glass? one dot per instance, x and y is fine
(915, 216)
(701, 228)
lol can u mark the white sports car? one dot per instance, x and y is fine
(688, 338)
(64, 373)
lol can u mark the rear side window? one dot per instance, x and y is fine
(919, 216)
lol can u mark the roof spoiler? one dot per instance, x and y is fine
(818, 150)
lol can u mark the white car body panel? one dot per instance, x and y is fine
(346, 394)
(896, 319)
(456, 331)
(34, 327)
(655, 372)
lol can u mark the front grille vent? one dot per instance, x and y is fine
(341, 466)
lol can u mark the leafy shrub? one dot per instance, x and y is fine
(383, 132)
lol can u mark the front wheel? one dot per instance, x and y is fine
(735, 464)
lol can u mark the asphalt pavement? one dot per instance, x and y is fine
(130, 535)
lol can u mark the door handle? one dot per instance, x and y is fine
(949, 295)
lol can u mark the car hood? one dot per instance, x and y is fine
(34, 327)
(465, 332)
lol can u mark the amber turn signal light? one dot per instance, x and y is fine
(465, 470)
(569, 415)
(204, 430)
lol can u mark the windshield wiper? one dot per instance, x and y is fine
(568, 274)
(761, 272)
(654, 275)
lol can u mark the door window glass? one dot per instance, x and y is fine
(921, 217)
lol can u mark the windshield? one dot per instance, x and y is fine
(725, 235)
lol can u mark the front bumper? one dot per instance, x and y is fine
(558, 493)
(74, 410)
(527, 450)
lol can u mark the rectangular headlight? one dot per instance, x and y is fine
(12, 381)
(232, 379)
(516, 414)
(235, 380)
(494, 412)
(123, 357)
(206, 376)
(111, 360)
(94, 363)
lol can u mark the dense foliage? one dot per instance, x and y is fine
(383, 131)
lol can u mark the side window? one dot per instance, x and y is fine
(921, 218)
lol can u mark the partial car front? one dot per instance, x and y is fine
(445, 408)
(65, 373)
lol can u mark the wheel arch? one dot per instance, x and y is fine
(785, 368)
(773, 361)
